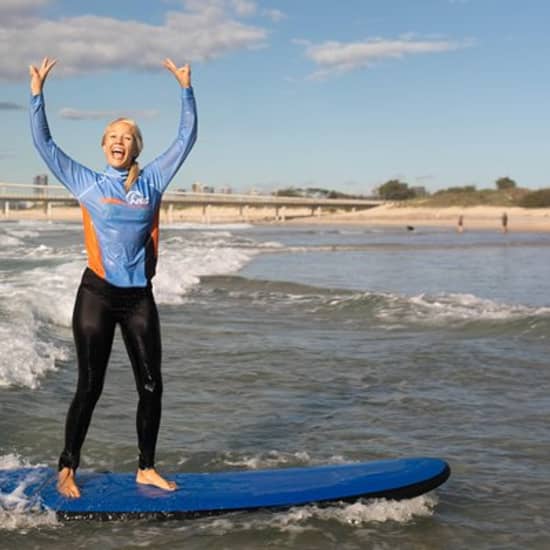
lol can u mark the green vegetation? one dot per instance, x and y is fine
(395, 190)
(505, 193)
(536, 199)
(462, 196)
(505, 183)
(289, 192)
(315, 192)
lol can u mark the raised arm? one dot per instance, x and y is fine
(39, 74)
(75, 177)
(165, 166)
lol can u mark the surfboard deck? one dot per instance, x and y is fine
(118, 496)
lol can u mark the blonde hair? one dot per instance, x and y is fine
(133, 172)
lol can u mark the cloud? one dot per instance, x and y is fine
(12, 7)
(274, 15)
(340, 57)
(244, 8)
(200, 30)
(10, 106)
(77, 114)
(18, 14)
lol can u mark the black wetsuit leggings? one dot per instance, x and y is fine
(99, 307)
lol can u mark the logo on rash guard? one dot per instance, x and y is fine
(135, 198)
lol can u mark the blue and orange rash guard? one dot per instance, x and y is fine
(120, 228)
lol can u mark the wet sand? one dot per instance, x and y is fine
(477, 217)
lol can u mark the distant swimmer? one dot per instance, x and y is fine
(460, 225)
(120, 212)
(410, 228)
(504, 221)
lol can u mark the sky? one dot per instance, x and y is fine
(291, 93)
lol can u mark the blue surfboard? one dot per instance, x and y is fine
(117, 496)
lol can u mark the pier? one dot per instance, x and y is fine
(13, 195)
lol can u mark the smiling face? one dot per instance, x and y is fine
(121, 144)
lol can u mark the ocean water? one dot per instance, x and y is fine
(292, 346)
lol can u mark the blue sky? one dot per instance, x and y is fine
(304, 93)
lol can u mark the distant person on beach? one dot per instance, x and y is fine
(460, 226)
(504, 220)
(120, 212)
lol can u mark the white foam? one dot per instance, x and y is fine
(17, 512)
(433, 309)
(12, 461)
(25, 357)
(206, 227)
(181, 267)
(198, 232)
(307, 518)
(46, 226)
(269, 460)
(350, 232)
(32, 300)
(270, 245)
(28, 302)
(9, 240)
(272, 459)
(361, 512)
(22, 233)
(455, 306)
(53, 291)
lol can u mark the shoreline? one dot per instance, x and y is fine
(475, 217)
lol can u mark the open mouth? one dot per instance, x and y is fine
(117, 153)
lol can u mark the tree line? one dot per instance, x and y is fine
(397, 190)
(316, 193)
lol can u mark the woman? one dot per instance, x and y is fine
(120, 211)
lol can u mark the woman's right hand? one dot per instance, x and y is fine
(39, 74)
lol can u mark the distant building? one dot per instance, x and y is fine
(42, 181)
(199, 187)
(419, 191)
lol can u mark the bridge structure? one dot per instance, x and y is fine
(14, 195)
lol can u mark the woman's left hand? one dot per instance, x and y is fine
(182, 74)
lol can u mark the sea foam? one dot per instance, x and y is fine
(182, 264)
(314, 518)
(26, 356)
(34, 300)
(431, 309)
(17, 511)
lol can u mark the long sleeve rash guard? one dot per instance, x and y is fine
(120, 228)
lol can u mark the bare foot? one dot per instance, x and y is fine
(150, 476)
(66, 483)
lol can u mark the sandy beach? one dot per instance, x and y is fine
(478, 217)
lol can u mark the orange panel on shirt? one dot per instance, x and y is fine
(110, 200)
(95, 263)
(155, 233)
